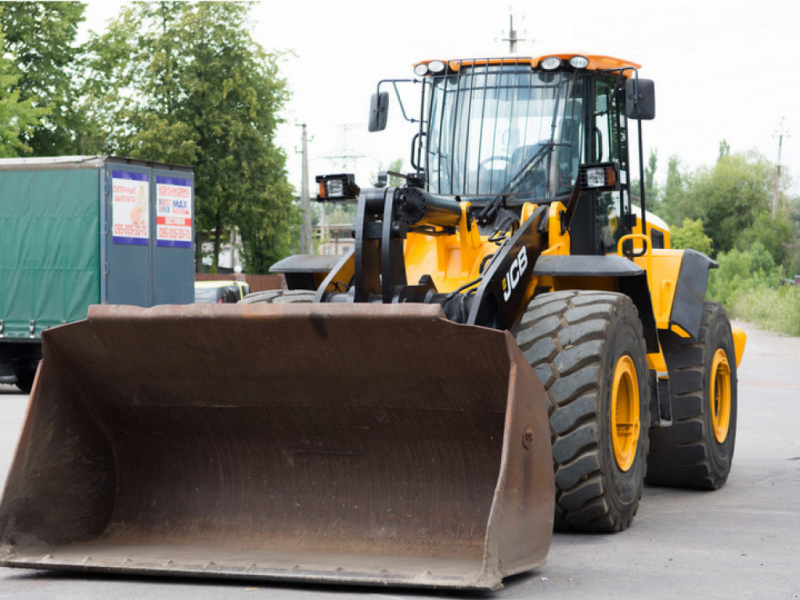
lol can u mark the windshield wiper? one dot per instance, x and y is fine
(488, 212)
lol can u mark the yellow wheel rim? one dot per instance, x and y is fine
(720, 395)
(625, 423)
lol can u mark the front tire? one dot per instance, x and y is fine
(588, 350)
(697, 450)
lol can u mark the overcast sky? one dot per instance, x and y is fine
(722, 70)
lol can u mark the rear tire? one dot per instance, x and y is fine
(697, 450)
(279, 297)
(588, 350)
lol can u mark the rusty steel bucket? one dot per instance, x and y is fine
(362, 444)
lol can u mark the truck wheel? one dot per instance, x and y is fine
(279, 297)
(25, 373)
(697, 450)
(588, 350)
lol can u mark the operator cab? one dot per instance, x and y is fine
(518, 130)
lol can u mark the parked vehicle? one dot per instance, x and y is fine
(83, 230)
(219, 292)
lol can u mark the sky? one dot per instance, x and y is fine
(722, 69)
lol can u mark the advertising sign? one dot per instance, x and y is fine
(174, 212)
(130, 208)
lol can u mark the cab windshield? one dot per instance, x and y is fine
(505, 129)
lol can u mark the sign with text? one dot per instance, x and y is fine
(130, 208)
(174, 212)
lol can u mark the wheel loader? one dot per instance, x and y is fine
(511, 346)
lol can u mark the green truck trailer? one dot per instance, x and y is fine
(82, 230)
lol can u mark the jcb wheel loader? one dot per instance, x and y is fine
(510, 345)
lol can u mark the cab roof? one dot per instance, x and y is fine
(596, 62)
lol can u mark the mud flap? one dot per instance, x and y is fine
(360, 444)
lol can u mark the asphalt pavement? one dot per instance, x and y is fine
(742, 541)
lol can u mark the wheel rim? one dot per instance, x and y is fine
(625, 423)
(720, 395)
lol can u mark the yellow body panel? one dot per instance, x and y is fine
(663, 277)
(739, 340)
(650, 228)
(663, 267)
(457, 259)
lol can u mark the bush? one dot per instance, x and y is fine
(691, 235)
(742, 271)
(749, 284)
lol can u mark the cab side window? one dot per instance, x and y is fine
(610, 144)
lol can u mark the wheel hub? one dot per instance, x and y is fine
(625, 424)
(720, 395)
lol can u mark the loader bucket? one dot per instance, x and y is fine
(338, 443)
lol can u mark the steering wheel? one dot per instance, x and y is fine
(491, 159)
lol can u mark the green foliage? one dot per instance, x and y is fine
(651, 190)
(185, 83)
(724, 149)
(691, 235)
(18, 117)
(729, 196)
(741, 272)
(650, 185)
(40, 36)
(775, 234)
(673, 197)
(750, 285)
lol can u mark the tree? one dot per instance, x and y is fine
(185, 83)
(18, 117)
(724, 149)
(673, 197)
(729, 196)
(40, 36)
(691, 235)
(650, 185)
(774, 233)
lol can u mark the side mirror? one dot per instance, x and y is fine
(645, 108)
(378, 111)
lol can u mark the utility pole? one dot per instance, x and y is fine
(776, 191)
(512, 38)
(306, 245)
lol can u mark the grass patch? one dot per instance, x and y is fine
(777, 309)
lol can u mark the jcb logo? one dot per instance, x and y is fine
(511, 280)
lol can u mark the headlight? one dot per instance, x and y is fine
(579, 62)
(603, 177)
(436, 66)
(550, 63)
(595, 178)
(334, 188)
(421, 70)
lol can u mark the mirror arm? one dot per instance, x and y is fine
(394, 83)
(641, 180)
